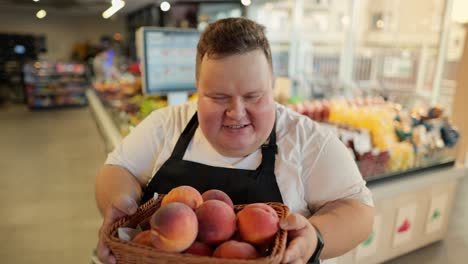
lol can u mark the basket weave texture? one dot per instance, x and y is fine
(127, 252)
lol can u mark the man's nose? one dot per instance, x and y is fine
(236, 109)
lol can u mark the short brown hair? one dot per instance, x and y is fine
(231, 36)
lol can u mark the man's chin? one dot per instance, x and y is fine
(235, 151)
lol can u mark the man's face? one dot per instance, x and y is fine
(236, 110)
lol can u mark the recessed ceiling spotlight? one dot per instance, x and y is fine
(165, 6)
(246, 2)
(41, 14)
(380, 23)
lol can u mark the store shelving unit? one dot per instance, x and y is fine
(58, 85)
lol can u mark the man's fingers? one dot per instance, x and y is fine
(113, 214)
(295, 250)
(294, 222)
(121, 206)
(104, 254)
(125, 204)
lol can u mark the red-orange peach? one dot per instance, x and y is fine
(257, 223)
(214, 194)
(143, 238)
(199, 248)
(183, 194)
(216, 222)
(235, 250)
(174, 227)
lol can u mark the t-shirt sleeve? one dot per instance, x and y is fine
(137, 151)
(332, 174)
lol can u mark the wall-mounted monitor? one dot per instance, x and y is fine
(167, 58)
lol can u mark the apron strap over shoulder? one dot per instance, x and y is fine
(269, 151)
(185, 137)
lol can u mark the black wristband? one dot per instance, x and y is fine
(315, 259)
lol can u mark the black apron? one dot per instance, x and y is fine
(243, 186)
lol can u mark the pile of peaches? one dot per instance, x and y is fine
(207, 225)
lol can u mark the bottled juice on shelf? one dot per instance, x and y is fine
(402, 156)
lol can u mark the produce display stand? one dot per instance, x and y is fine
(410, 212)
(104, 122)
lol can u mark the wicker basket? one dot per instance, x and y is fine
(131, 253)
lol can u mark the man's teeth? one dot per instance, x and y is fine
(240, 126)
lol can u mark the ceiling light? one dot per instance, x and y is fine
(380, 23)
(36, 0)
(41, 14)
(246, 2)
(116, 6)
(165, 6)
(345, 20)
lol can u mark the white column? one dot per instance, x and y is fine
(295, 69)
(347, 53)
(443, 40)
(422, 65)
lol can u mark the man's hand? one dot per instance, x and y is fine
(302, 239)
(123, 205)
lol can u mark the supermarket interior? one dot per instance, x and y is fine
(387, 77)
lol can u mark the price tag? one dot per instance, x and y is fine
(362, 141)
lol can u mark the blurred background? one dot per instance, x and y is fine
(387, 76)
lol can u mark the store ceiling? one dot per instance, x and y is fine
(74, 6)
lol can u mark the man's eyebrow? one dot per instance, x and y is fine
(215, 94)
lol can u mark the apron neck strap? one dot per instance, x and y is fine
(269, 150)
(185, 137)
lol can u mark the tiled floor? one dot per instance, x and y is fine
(48, 161)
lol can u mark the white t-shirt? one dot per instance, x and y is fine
(312, 166)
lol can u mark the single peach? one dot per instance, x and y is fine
(257, 223)
(216, 222)
(183, 194)
(214, 194)
(143, 238)
(174, 227)
(235, 250)
(200, 249)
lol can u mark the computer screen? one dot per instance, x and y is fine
(168, 59)
(20, 49)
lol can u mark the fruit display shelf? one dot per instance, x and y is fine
(386, 139)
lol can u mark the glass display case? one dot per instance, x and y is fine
(357, 68)
(343, 54)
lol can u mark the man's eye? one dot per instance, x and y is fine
(252, 97)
